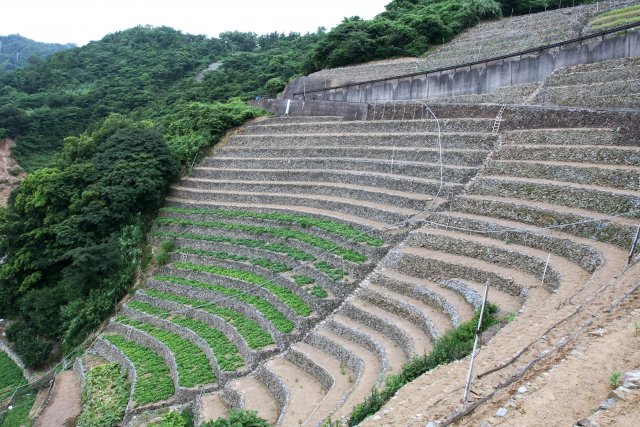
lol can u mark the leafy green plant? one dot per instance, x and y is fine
(329, 270)
(614, 379)
(319, 292)
(276, 267)
(305, 221)
(303, 280)
(285, 233)
(104, 397)
(295, 254)
(170, 419)
(154, 382)
(162, 256)
(193, 365)
(239, 418)
(296, 303)
(279, 320)
(254, 335)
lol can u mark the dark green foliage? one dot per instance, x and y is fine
(196, 125)
(453, 345)
(18, 51)
(239, 418)
(72, 234)
(521, 7)
(406, 28)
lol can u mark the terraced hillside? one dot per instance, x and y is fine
(268, 237)
(568, 196)
(603, 84)
(486, 40)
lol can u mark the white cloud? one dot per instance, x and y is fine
(76, 21)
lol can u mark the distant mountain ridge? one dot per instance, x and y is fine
(16, 51)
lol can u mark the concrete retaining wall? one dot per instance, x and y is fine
(481, 78)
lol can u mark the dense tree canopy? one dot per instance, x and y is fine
(17, 51)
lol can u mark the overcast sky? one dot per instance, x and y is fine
(80, 21)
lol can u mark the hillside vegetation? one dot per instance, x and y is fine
(17, 52)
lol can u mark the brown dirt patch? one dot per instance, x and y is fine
(10, 173)
(65, 404)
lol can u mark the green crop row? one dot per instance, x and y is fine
(295, 254)
(308, 284)
(332, 227)
(226, 352)
(254, 335)
(276, 267)
(303, 280)
(278, 319)
(10, 376)
(285, 233)
(154, 382)
(331, 271)
(296, 303)
(193, 365)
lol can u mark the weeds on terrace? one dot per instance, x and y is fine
(637, 327)
(304, 221)
(331, 271)
(253, 334)
(453, 345)
(296, 303)
(226, 352)
(162, 257)
(295, 254)
(278, 319)
(284, 233)
(153, 380)
(193, 365)
(105, 396)
(614, 379)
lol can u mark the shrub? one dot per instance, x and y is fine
(239, 418)
(105, 396)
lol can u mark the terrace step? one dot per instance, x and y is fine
(392, 180)
(508, 286)
(304, 389)
(573, 76)
(368, 127)
(420, 314)
(422, 341)
(358, 316)
(395, 356)
(343, 381)
(369, 378)
(301, 119)
(376, 211)
(408, 139)
(212, 407)
(593, 154)
(461, 307)
(614, 176)
(375, 158)
(559, 271)
(349, 191)
(588, 94)
(256, 397)
(616, 230)
(565, 136)
(571, 195)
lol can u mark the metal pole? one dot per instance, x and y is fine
(467, 389)
(546, 266)
(633, 245)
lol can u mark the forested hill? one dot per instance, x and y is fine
(143, 72)
(17, 51)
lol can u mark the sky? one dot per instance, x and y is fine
(81, 21)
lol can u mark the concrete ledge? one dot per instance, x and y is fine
(304, 362)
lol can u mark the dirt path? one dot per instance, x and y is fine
(65, 404)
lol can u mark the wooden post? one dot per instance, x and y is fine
(633, 245)
(467, 389)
